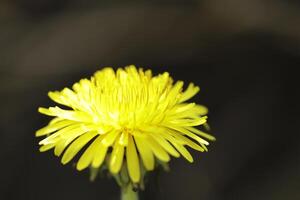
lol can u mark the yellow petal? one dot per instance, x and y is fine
(58, 98)
(55, 120)
(91, 152)
(184, 152)
(173, 94)
(116, 159)
(124, 138)
(145, 153)
(165, 144)
(79, 116)
(201, 133)
(158, 151)
(53, 137)
(76, 146)
(181, 108)
(204, 147)
(46, 147)
(53, 127)
(186, 122)
(72, 98)
(132, 161)
(110, 138)
(190, 134)
(189, 92)
(200, 109)
(175, 89)
(182, 140)
(65, 140)
(99, 154)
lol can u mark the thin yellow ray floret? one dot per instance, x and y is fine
(145, 153)
(116, 158)
(76, 146)
(132, 161)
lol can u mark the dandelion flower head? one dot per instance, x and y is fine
(128, 117)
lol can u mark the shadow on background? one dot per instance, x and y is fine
(241, 53)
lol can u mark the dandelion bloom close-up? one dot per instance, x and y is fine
(127, 117)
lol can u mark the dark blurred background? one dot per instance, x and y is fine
(244, 54)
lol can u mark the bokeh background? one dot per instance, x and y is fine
(244, 54)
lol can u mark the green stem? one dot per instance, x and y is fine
(127, 193)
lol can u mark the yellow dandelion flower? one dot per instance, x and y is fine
(128, 116)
